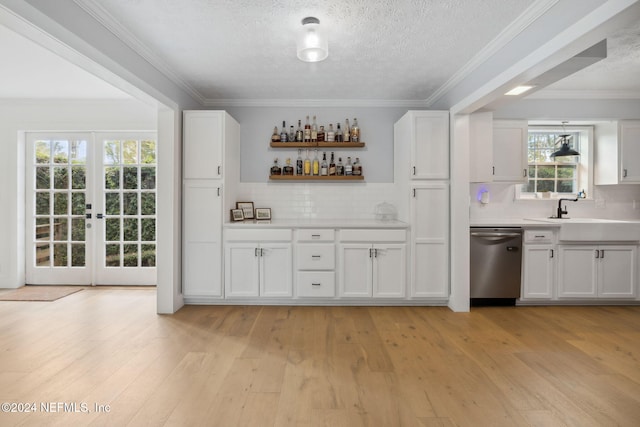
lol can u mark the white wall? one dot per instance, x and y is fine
(47, 115)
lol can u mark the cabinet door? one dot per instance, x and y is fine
(430, 145)
(510, 151)
(430, 241)
(629, 134)
(617, 271)
(539, 269)
(275, 270)
(203, 132)
(242, 270)
(577, 276)
(355, 270)
(389, 270)
(202, 235)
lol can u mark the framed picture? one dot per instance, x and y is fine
(237, 215)
(263, 213)
(247, 209)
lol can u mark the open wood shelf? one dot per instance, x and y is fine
(317, 144)
(316, 178)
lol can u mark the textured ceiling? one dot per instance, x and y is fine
(245, 49)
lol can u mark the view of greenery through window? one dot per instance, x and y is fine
(129, 200)
(557, 175)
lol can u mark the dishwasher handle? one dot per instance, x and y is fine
(489, 234)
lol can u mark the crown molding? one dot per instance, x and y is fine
(392, 103)
(584, 94)
(100, 14)
(535, 11)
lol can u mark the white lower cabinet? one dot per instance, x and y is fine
(372, 270)
(258, 269)
(603, 271)
(539, 269)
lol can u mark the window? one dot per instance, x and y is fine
(561, 176)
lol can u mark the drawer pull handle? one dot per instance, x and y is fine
(315, 284)
(315, 236)
(316, 256)
(540, 237)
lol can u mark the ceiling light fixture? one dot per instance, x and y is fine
(518, 90)
(312, 45)
(564, 150)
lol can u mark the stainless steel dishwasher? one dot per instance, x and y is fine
(496, 265)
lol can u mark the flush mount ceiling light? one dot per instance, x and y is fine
(518, 90)
(312, 45)
(564, 150)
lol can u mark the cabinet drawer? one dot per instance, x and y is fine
(373, 235)
(538, 236)
(316, 235)
(259, 234)
(316, 257)
(316, 284)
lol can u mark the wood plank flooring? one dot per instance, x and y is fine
(317, 366)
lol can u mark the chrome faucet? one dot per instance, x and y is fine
(560, 210)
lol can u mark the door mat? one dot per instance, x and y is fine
(39, 293)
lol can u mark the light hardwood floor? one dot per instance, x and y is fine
(318, 366)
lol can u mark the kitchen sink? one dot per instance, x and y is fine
(594, 229)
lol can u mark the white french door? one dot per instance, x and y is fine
(91, 208)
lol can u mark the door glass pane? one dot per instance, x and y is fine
(60, 151)
(148, 152)
(111, 153)
(78, 229)
(148, 255)
(60, 178)
(43, 229)
(148, 203)
(43, 151)
(60, 229)
(130, 177)
(130, 228)
(112, 178)
(78, 152)
(78, 203)
(43, 259)
(43, 177)
(130, 204)
(130, 255)
(42, 203)
(78, 177)
(60, 203)
(112, 252)
(60, 254)
(78, 255)
(130, 152)
(148, 178)
(112, 203)
(148, 232)
(112, 229)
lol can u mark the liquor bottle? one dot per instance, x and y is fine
(276, 136)
(347, 131)
(299, 132)
(314, 131)
(316, 164)
(287, 169)
(321, 134)
(339, 135)
(355, 131)
(292, 134)
(331, 135)
(299, 163)
(348, 167)
(307, 164)
(324, 169)
(357, 167)
(307, 131)
(283, 133)
(332, 166)
(339, 167)
(275, 169)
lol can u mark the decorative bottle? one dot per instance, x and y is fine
(287, 169)
(339, 167)
(331, 135)
(314, 130)
(307, 164)
(339, 134)
(316, 164)
(324, 168)
(321, 134)
(275, 169)
(275, 137)
(299, 134)
(299, 163)
(355, 131)
(332, 166)
(347, 131)
(357, 167)
(348, 167)
(307, 131)
(283, 133)
(292, 134)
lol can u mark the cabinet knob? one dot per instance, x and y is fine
(414, 170)
(597, 254)
(624, 173)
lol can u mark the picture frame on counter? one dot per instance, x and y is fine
(247, 209)
(263, 214)
(237, 215)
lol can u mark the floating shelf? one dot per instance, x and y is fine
(316, 178)
(317, 144)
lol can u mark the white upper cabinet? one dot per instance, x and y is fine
(422, 140)
(203, 144)
(617, 153)
(510, 151)
(481, 147)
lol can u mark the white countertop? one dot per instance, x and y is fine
(511, 222)
(317, 223)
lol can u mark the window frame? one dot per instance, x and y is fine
(584, 170)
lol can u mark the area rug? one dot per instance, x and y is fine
(39, 293)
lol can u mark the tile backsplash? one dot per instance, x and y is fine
(318, 200)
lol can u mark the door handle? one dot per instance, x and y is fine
(597, 254)
(99, 216)
(624, 173)
(414, 170)
(218, 170)
(88, 216)
(524, 175)
(551, 254)
(602, 254)
(255, 252)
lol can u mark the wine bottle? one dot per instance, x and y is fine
(324, 168)
(307, 131)
(299, 163)
(332, 166)
(339, 134)
(299, 134)
(314, 130)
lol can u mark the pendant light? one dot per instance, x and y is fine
(312, 45)
(564, 150)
